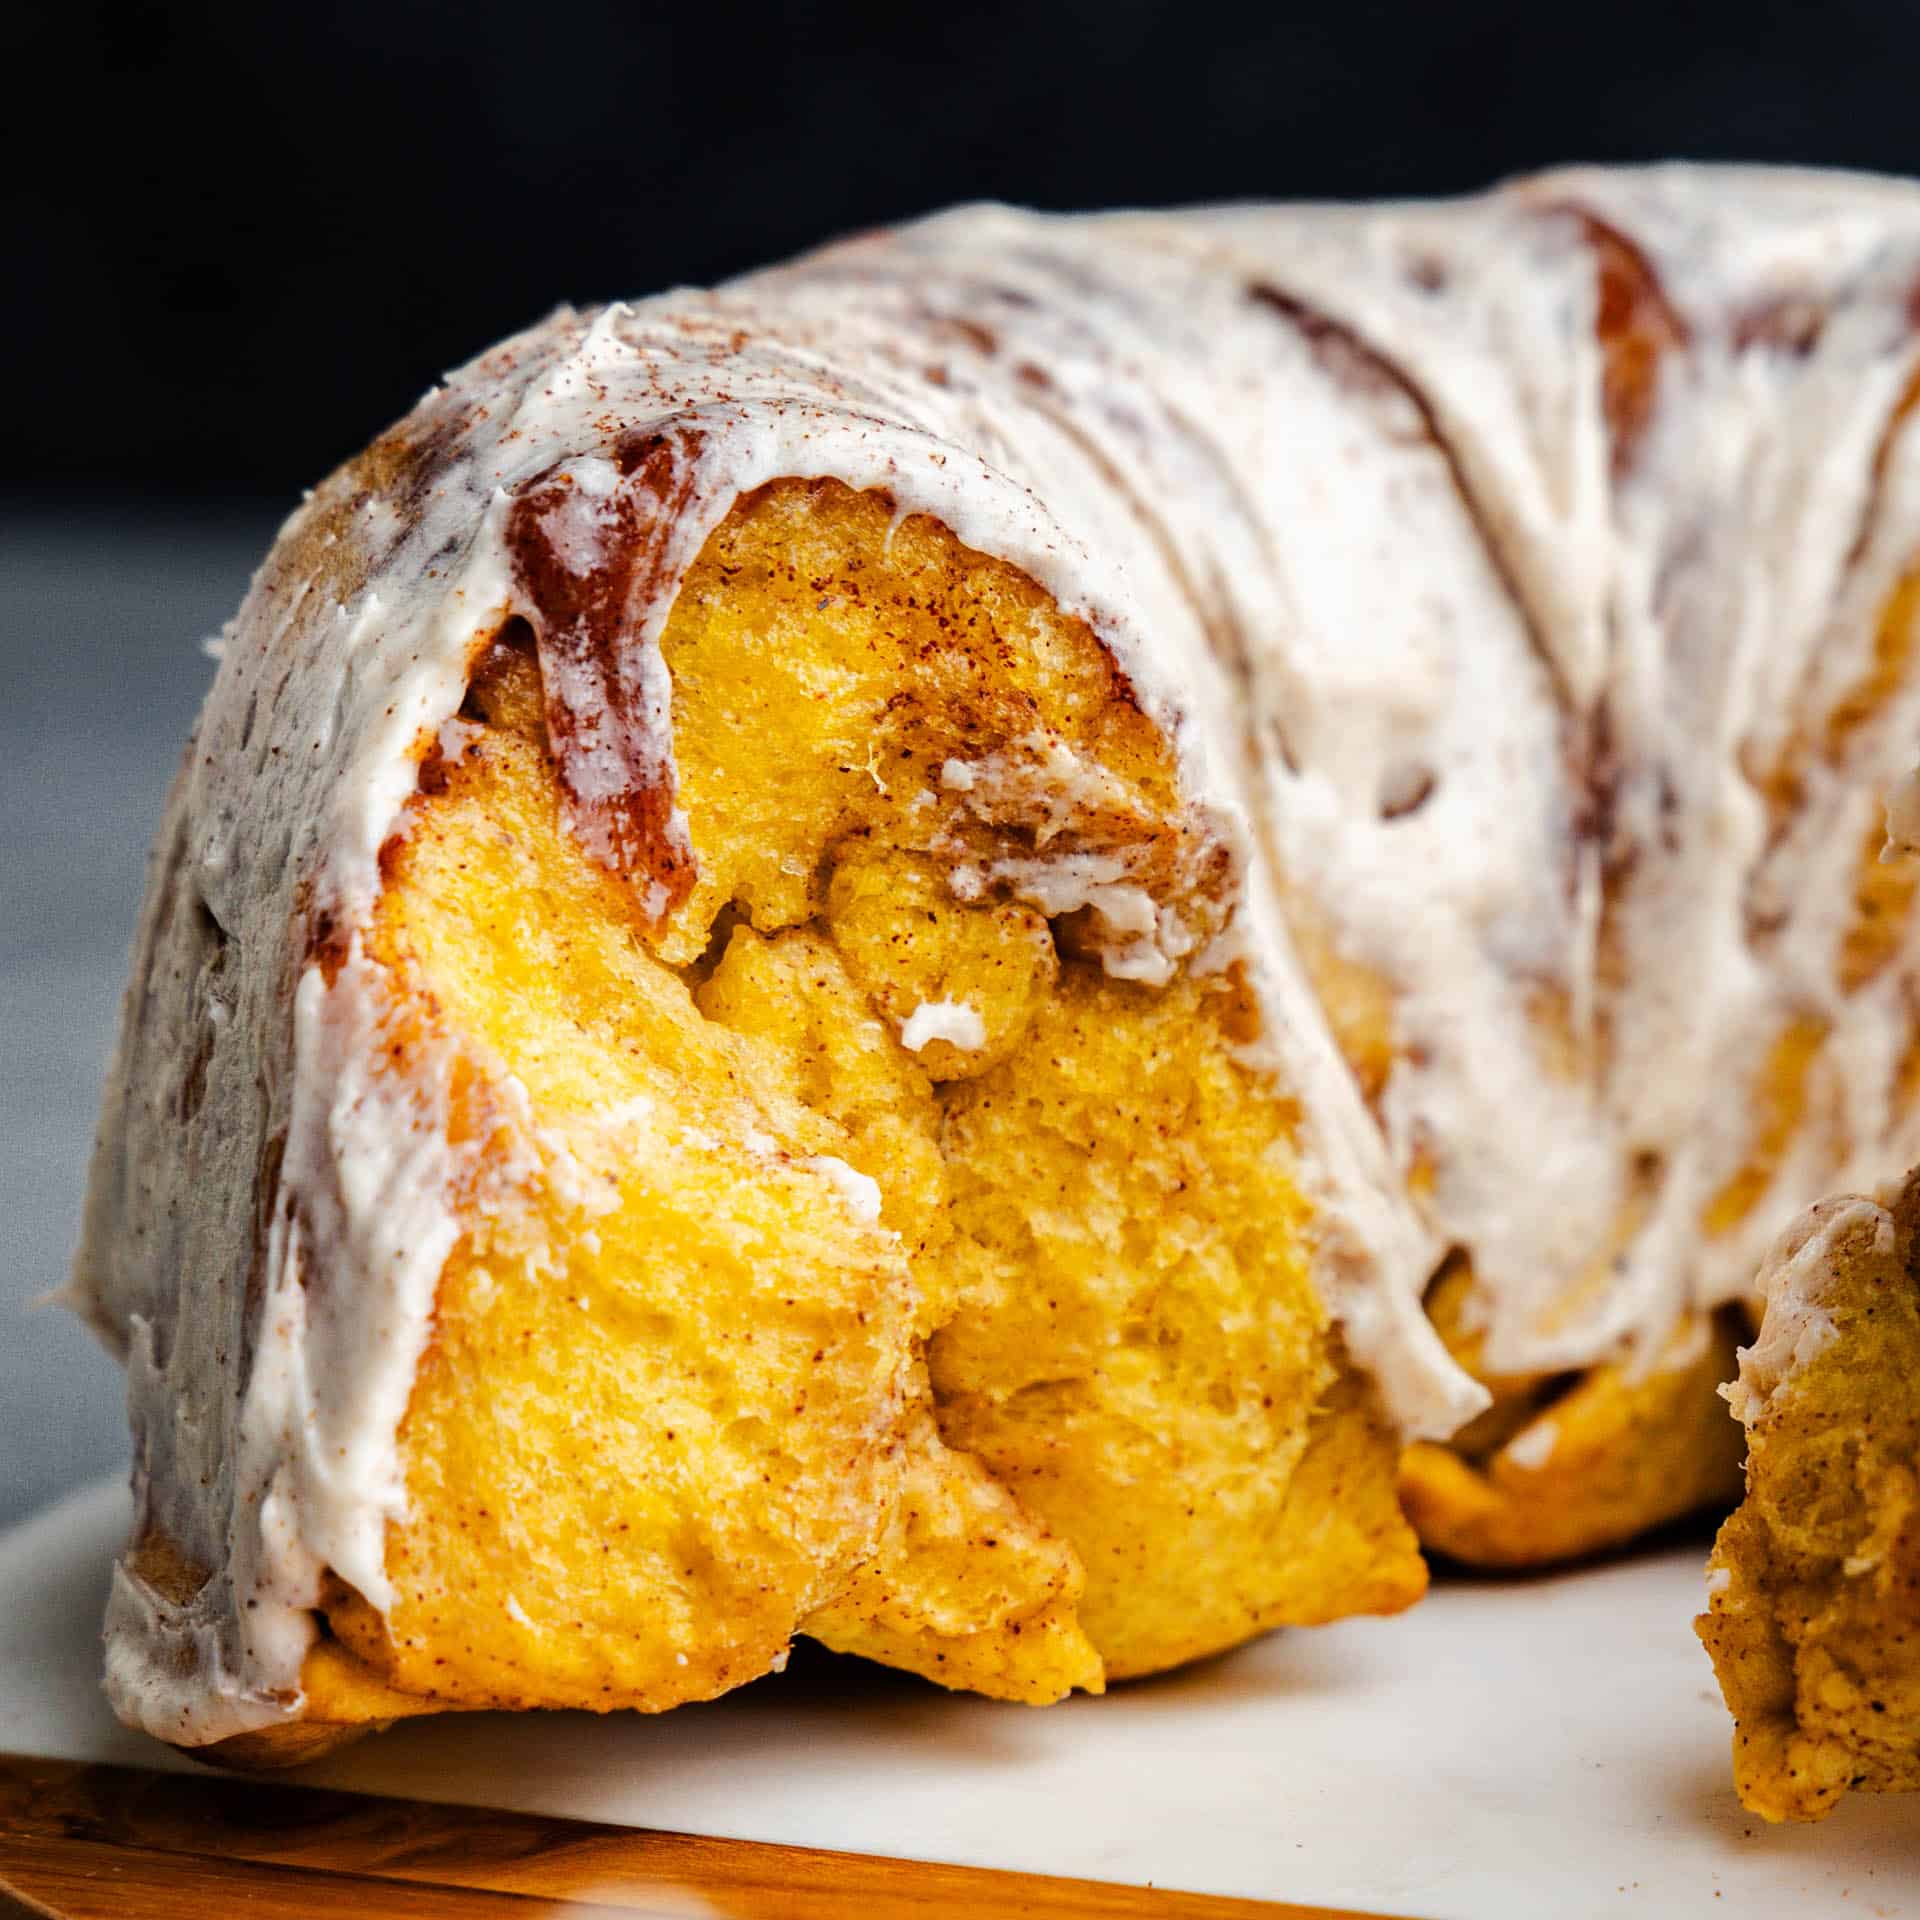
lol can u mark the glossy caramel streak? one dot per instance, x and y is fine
(1637, 328)
(589, 566)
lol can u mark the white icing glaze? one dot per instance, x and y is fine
(332, 1374)
(1533, 1446)
(1336, 489)
(954, 1021)
(860, 1191)
(1144, 939)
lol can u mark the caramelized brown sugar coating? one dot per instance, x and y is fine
(995, 1355)
(1814, 1617)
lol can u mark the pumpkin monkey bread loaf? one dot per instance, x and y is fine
(1004, 946)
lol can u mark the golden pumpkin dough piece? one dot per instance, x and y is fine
(1552, 1476)
(675, 1408)
(892, 916)
(1136, 1349)
(657, 1422)
(1149, 1230)
(828, 1052)
(688, 1550)
(829, 663)
(965, 1586)
(1813, 1620)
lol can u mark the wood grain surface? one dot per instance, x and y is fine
(87, 1842)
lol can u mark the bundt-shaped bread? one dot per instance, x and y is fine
(921, 951)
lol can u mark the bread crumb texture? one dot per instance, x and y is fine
(1069, 1409)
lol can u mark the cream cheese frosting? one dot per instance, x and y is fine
(957, 1022)
(1467, 672)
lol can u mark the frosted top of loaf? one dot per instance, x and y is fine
(1489, 646)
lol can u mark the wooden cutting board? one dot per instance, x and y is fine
(88, 1842)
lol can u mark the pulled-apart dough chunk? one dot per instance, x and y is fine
(1813, 1620)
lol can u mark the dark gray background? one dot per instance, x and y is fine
(240, 237)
